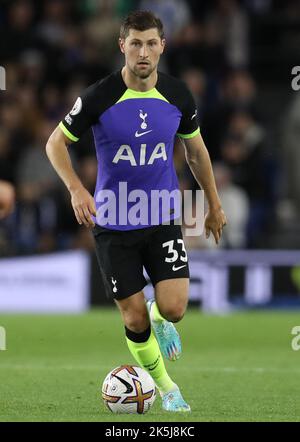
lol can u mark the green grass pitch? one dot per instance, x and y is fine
(239, 367)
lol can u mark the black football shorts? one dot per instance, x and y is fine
(122, 255)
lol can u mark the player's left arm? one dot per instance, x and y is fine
(199, 162)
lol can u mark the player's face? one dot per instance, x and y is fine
(142, 51)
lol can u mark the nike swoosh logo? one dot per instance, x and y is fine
(126, 384)
(151, 369)
(137, 134)
(194, 115)
(177, 268)
(154, 365)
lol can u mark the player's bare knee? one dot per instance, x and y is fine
(176, 316)
(137, 326)
(134, 312)
(137, 321)
(173, 313)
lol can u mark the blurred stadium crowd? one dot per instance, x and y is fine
(235, 56)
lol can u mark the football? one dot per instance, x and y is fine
(128, 389)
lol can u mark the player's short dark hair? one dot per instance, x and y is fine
(141, 21)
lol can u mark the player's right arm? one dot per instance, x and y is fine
(7, 199)
(81, 117)
(82, 201)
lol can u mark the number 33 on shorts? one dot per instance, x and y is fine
(177, 256)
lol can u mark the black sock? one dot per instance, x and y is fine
(138, 337)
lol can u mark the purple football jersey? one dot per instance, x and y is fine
(134, 135)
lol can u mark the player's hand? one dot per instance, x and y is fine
(84, 206)
(215, 220)
(7, 199)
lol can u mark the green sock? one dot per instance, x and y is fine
(155, 313)
(148, 356)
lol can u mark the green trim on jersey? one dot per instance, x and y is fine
(129, 94)
(67, 133)
(187, 136)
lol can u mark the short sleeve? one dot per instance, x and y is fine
(188, 127)
(82, 116)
